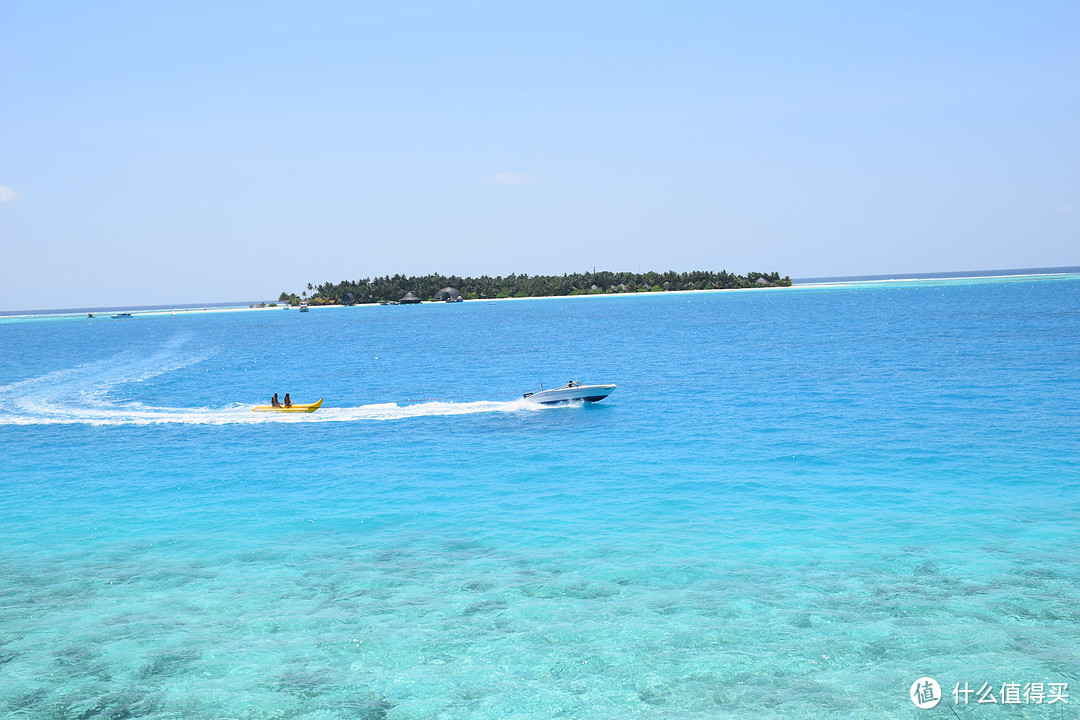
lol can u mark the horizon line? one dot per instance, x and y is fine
(941, 275)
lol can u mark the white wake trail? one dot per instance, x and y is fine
(135, 414)
(84, 395)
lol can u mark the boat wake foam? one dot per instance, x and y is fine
(237, 414)
(85, 395)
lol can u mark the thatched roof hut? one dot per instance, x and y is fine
(447, 292)
(409, 299)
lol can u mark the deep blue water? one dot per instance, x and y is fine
(796, 503)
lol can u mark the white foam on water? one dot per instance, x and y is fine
(236, 414)
(84, 395)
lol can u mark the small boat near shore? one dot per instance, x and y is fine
(121, 315)
(295, 407)
(571, 392)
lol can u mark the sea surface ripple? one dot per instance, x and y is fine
(796, 503)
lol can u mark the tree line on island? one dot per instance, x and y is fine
(393, 288)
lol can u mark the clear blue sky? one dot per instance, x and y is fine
(204, 151)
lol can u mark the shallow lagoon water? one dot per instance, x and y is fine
(796, 503)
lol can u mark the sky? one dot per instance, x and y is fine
(185, 152)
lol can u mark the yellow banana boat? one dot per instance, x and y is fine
(295, 407)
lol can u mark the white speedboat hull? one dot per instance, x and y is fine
(576, 393)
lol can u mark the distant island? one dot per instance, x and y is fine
(441, 287)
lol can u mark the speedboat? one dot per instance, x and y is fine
(570, 392)
(303, 307)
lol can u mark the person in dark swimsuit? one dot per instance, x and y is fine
(274, 401)
(288, 401)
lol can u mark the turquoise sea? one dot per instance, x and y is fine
(797, 503)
